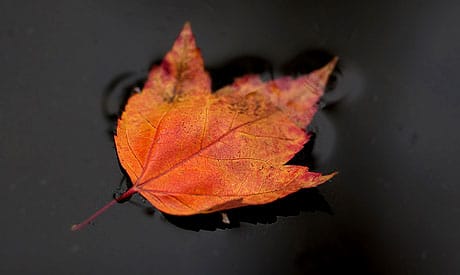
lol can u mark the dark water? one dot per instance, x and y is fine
(388, 124)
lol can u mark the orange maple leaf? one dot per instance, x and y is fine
(190, 151)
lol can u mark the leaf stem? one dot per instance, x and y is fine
(131, 191)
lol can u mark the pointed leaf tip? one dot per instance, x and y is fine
(187, 26)
(181, 73)
(186, 33)
(324, 72)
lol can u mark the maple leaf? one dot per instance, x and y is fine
(190, 151)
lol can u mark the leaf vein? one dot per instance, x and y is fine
(262, 136)
(235, 159)
(146, 119)
(131, 149)
(155, 138)
(205, 123)
(180, 201)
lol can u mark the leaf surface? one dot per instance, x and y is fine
(188, 151)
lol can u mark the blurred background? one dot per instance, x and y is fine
(388, 124)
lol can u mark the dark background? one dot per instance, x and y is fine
(390, 127)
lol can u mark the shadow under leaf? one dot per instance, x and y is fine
(305, 200)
